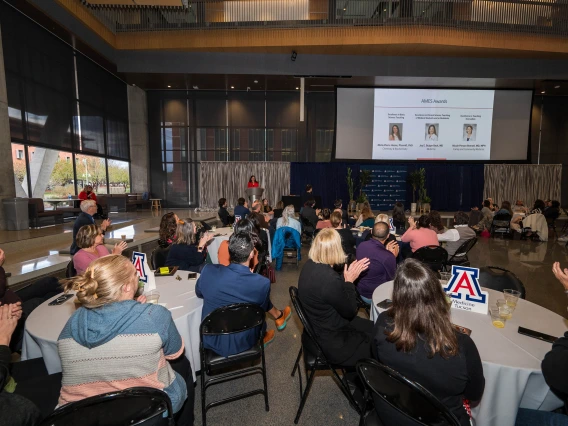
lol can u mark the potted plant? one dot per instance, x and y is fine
(426, 200)
(351, 188)
(416, 179)
(364, 180)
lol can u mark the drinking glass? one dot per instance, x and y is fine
(213, 228)
(511, 297)
(505, 312)
(152, 296)
(496, 319)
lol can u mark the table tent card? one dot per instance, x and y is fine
(391, 226)
(465, 291)
(145, 273)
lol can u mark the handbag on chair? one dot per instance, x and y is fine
(268, 272)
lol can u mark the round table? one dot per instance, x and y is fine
(46, 322)
(213, 247)
(511, 361)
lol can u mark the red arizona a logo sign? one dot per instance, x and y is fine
(465, 282)
(139, 261)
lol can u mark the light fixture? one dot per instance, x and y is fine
(297, 88)
(344, 8)
(256, 81)
(384, 10)
(557, 87)
(195, 87)
(133, 85)
(543, 92)
(169, 85)
(232, 87)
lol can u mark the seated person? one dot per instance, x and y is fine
(348, 241)
(339, 208)
(243, 226)
(399, 218)
(168, 226)
(461, 231)
(310, 214)
(366, 205)
(241, 210)
(91, 242)
(262, 235)
(384, 219)
(505, 209)
(88, 209)
(485, 223)
(419, 234)
(278, 209)
(223, 213)
(519, 207)
(88, 194)
(382, 261)
(289, 219)
(552, 212)
(416, 338)
(220, 286)
(266, 206)
(257, 213)
(101, 340)
(184, 252)
(325, 222)
(436, 222)
(368, 217)
(329, 299)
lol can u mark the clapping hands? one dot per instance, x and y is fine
(351, 273)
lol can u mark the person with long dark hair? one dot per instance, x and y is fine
(419, 234)
(253, 183)
(168, 226)
(395, 134)
(432, 135)
(416, 338)
(399, 217)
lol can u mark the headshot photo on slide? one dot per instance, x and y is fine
(432, 132)
(395, 131)
(469, 132)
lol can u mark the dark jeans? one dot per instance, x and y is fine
(184, 417)
(526, 417)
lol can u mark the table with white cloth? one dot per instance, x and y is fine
(46, 322)
(511, 361)
(213, 247)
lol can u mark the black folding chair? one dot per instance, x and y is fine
(134, 406)
(400, 401)
(159, 257)
(460, 256)
(501, 225)
(224, 321)
(500, 279)
(70, 272)
(314, 359)
(308, 229)
(292, 250)
(433, 256)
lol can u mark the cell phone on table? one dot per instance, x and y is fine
(537, 335)
(385, 304)
(60, 300)
(192, 275)
(462, 329)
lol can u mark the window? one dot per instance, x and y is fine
(20, 154)
(91, 171)
(118, 177)
(324, 144)
(68, 159)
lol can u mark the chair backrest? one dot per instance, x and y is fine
(70, 271)
(475, 217)
(502, 220)
(465, 247)
(232, 319)
(401, 401)
(500, 279)
(308, 330)
(134, 406)
(38, 203)
(434, 256)
(159, 257)
(306, 222)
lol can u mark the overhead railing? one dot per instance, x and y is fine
(546, 17)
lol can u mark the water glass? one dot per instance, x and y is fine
(152, 296)
(505, 312)
(496, 319)
(511, 297)
(213, 228)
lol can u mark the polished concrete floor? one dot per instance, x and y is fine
(326, 405)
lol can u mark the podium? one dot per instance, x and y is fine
(254, 194)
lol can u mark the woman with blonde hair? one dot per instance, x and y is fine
(289, 219)
(185, 253)
(329, 299)
(360, 219)
(368, 219)
(91, 242)
(114, 342)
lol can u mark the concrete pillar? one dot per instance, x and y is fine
(138, 132)
(7, 186)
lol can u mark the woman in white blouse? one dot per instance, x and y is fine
(432, 136)
(395, 133)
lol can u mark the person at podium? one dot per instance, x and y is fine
(253, 183)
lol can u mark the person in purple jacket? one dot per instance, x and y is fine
(382, 266)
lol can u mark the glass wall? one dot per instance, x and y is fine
(68, 116)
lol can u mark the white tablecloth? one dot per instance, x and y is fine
(46, 322)
(511, 361)
(213, 247)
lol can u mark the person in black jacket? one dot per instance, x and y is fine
(330, 301)
(311, 215)
(308, 194)
(419, 303)
(88, 209)
(184, 252)
(348, 241)
(339, 208)
(223, 213)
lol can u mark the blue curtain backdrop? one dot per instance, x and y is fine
(452, 186)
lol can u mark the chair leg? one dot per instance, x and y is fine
(264, 380)
(296, 365)
(203, 400)
(305, 395)
(347, 391)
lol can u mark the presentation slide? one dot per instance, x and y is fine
(432, 124)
